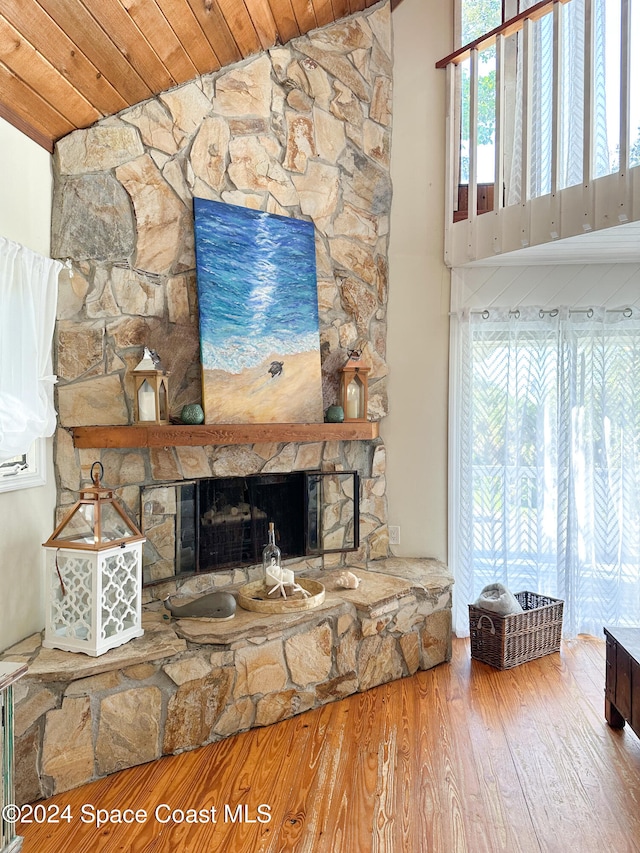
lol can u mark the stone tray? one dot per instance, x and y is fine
(251, 597)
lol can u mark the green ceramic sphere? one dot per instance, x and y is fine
(192, 414)
(334, 415)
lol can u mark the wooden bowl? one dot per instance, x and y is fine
(253, 596)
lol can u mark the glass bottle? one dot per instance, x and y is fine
(272, 558)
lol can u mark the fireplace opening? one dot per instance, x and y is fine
(234, 516)
(214, 524)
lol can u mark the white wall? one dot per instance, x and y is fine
(602, 283)
(415, 431)
(26, 516)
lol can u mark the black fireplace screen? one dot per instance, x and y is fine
(219, 523)
(234, 517)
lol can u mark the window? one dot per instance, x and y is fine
(24, 470)
(28, 294)
(478, 17)
(532, 174)
(546, 489)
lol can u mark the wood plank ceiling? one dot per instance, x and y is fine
(64, 64)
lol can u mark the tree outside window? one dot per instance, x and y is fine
(479, 17)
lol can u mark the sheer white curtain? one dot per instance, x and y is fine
(28, 295)
(545, 492)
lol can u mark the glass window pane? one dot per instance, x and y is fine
(634, 87)
(465, 94)
(478, 17)
(572, 95)
(487, 116)
(606, 80)
(542, 107)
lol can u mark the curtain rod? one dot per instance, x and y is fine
(551, 312)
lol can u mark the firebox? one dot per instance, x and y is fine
(218, 523)
(234, 514)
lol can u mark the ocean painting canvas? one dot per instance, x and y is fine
(259, 334)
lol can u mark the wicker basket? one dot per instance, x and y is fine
(506, 641)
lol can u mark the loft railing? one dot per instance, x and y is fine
(535, 97)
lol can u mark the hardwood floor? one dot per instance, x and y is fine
(459, 759)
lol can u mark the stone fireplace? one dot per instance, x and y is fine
(301, 130)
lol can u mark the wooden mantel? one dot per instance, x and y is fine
(188, 436)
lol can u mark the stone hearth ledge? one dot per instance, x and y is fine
(190, 682)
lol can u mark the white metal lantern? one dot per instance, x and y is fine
(94, 575)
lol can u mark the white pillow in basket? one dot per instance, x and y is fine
(497, 598)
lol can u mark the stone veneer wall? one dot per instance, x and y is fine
(301, 130)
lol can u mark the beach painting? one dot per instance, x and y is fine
(258, 301)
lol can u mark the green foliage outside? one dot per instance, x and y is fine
(478, 17)
(486, 106)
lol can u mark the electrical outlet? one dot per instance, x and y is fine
(394, 534)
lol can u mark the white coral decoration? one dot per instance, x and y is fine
(347, 580)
